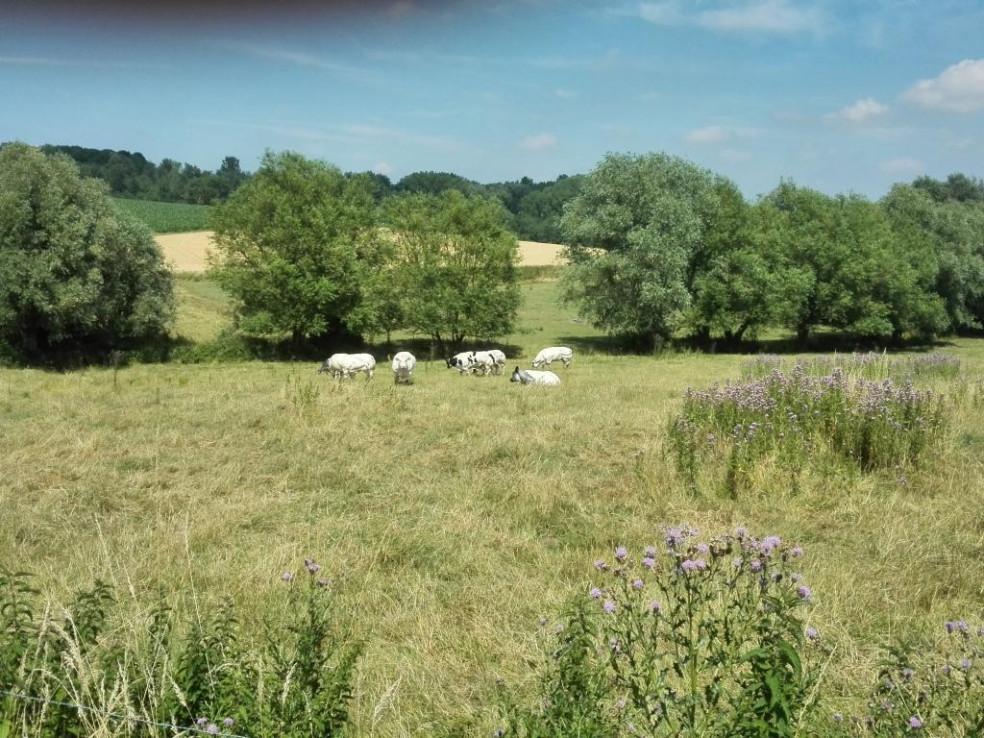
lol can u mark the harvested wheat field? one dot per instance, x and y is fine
(185, 252)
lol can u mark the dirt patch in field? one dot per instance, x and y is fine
(185, 252)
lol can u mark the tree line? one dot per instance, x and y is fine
(661, 247)
(533, 209)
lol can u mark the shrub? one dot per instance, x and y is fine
(90, 673)
(685, 638)
(870, 365)
(794, 416)
(76, 274)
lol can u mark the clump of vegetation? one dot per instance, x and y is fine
(935, 689)
(686, 637)
(76, 274)
(167, 217)
(870, 365)
(87, 671)
(793, 417)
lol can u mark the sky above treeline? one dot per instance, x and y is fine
(834, 94)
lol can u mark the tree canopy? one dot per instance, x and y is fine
(75, 272)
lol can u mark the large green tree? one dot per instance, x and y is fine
(294, 247)
(455, 264)
(637, 231)
(74, 271)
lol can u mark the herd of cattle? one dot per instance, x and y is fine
(493, 361)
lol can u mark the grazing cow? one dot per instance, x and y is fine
(403, 365)
(499, 359)
(347, 365)
(462, 362)
(555, 353)
(531, 376)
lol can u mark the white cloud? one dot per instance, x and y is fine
(709, 135)
(757, 16)
(539, 142)
(958, 89)
(903, 165)
(298, 58)
(859, 112)
(382, 167)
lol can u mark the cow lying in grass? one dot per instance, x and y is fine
(532, 376)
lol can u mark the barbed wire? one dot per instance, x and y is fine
(121, 718)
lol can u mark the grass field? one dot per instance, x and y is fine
(452, 514)
(167, 217)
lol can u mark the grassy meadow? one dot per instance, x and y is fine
(452, 514)
(166, 217)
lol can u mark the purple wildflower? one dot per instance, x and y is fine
(637, 584)
(312, 566)
(595, 593)
(201, 722)
(804, 592)
(649, 562)
(621, 553)
(703, 549)
(812, 633)
(287, 577)
(769, 544)
(212, 729)
(796, 552)
(956, 625)
(608, 606)
(741, 532)
(228, 722)
(756, 565)
(675, 536)
(945, 669)
(965, 664)
(651, 552)
(655, 607)
(915, 723)
(690, 565)
(600, 565)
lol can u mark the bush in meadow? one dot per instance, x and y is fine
(171, 672)
(933, 689)
(683, 638)
(869, 365)
(793, 417)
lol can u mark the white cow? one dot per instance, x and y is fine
(549, 355)
(531, 376)
(462, 362)
(403, 365)
(499, 359)
(347, 365)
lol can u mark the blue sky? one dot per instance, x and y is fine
(842, 96)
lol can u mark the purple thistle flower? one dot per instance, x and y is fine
(703, 549)
(201, 722)
(608, 606)
(769, 544)
(621, 553)
(651, 552)
(741, 532)
(637, 584)
(287, 577)
(312, 566)
(595, 593)
(812, 633)
(649, 562)
(796, 552)
(915, 723)
(600, 565)
(228, 722)
(756, 565)
(690, 565)
(965, 664)
(804, 592)
(655, 607)
(212, 729)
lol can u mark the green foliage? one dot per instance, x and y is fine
(294, 247)
(130, 175)
(195, 669)
(455, 264)
(75, 272)
(648, 215)
(166, 217)
(687, 638)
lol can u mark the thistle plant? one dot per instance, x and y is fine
(690, 638)
(866, 365)
(793, 417)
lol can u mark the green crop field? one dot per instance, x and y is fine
(167, 217)
(452, 514)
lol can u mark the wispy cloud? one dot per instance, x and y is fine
(539, 142)
(756, 16)
(298, 58)
(718, 134)
(351, 134)
(903, 165)
(958, 89)
(861, 111)
(48, 61)
(399, 136)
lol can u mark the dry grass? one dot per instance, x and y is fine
(454, 513)
(187, 252)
